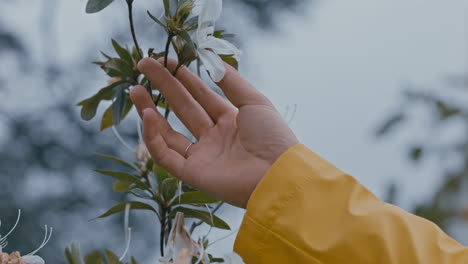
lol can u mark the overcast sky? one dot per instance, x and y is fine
(343, 63)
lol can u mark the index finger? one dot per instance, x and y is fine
(183, 104)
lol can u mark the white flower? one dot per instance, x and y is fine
(30, 258)
(208, 46)
(33, 259)
(233, 258)
(181, 247)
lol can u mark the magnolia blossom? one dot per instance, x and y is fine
(181, 247)
(15, 257)
(208, 46)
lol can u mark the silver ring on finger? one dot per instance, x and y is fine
(187, 149)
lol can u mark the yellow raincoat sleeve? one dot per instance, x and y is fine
(305, 210)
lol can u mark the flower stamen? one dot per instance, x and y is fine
(47, 236)
(128, 232)
(3, 240)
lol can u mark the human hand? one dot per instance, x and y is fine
(237, 143)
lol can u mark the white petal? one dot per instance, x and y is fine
(202, 35)
(197, 7)
(33, 259)
(213, 64)
(233, 258)
(220, 46)
(207, 10)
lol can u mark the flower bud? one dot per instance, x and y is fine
(142, 153)
(113, 80)
(183, 12)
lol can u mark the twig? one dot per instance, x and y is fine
(174, 73)
(158, 99)
(163, 230)
(197, 224)
(132, 27)
(168, 111)
(168, 45)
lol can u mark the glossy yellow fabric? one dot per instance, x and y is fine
(307, 211)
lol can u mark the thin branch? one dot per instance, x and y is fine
(132, 27)
(158, 99)
(163, 230)
(197, 224)
(174, 73)
(168, 111)
(168, 45)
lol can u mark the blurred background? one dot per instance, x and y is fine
(379, 88)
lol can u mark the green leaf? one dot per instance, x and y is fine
(73, 255)
(187, 188)
(121, 207)
(218, 33)
(94, 6)
(189, 52)
(69, 257)
(123, 176)
(155, 19)
(90, 105)
(120, 66)
(221, 34)
(184, 10)
(194, 198)
(105, 55)
(93, 258)
(120, 161)
(201, 215)
(124, 54)
(168, 188)
(141, 194)
(107, 122)
(160, 173)
(215, 260)
(229, 59)
(112, 258)
(135, 55)
(167, 8)
(122, 186)
(118, 106)
(133, 261)
(100, 63)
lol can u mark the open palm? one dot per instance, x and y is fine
(237, 143)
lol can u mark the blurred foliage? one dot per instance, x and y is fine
(73, 256)
(47, 152)
(446, 113)
(265, 10)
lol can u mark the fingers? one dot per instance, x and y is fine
(174, 139)
(141, 99)
(212, 102)
(164, 156)
(182, 103)
(239, 91)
